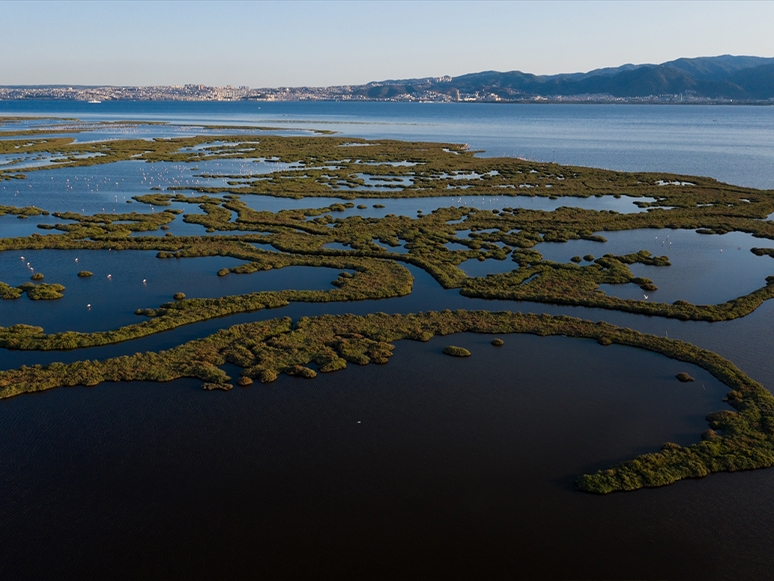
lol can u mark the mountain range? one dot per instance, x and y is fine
(720, 77)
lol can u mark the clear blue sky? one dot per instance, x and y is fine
(268, 44)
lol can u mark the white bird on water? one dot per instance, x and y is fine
(646, 297)
(88, 306)
(144, 281)
(76, 261)
(110, 276)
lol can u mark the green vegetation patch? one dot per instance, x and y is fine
(455, 351)
(36, 292)
(9, 292)
(43, 292)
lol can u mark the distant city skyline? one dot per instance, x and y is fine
(320, 43)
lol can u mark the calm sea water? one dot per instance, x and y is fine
(428, 467)
(730, 143)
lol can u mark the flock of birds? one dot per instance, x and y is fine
(145, 281)
(88, 305)
(165, 177)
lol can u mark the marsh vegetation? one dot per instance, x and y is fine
(737, 440)
(371, 254)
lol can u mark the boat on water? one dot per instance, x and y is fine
(95, 101)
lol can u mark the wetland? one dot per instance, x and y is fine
(265, 263)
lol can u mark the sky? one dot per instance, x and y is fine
(320, 43)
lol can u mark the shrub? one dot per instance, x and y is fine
(43, 291)
(37, 276)
(211, 386)
(498, 342)
(684, 377)
(455, 351)
(85, 274)
(301, 371)
(178, 296)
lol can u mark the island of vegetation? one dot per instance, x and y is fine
(455, 351)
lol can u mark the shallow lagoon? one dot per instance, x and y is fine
(478, 268)
(731, 143)
(706, 269)
(12, 226)
(87, 189)
(90, 132)
(113, 300)
(107, 188)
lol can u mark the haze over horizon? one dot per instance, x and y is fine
(320, 43)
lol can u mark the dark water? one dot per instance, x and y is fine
(459, 468)
(425, 467)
